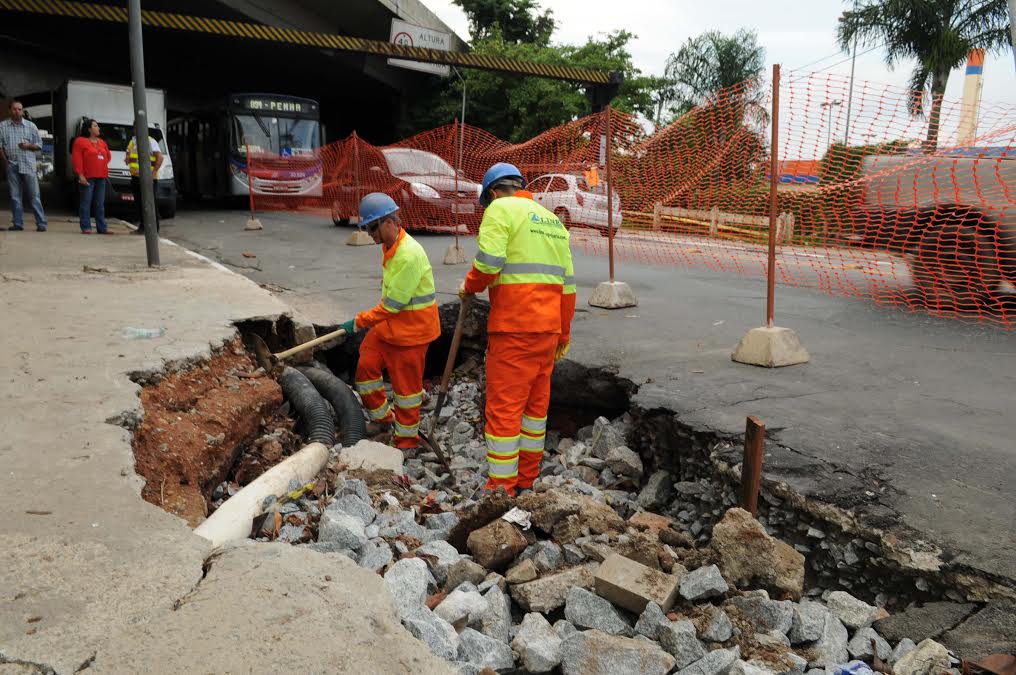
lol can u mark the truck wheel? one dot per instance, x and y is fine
(167, 211)
(955, 265)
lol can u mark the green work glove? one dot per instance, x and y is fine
(349, 326)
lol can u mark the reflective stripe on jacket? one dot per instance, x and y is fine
(132, 157)
(525, 259)
(407, 314)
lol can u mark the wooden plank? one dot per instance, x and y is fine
(751, 466)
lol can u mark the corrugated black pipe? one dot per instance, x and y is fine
(347, 408)
(315, 411)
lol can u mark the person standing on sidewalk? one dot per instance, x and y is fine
(155, 157)
(402, 325)
(90, 157)
(525, 260)
(19, 143)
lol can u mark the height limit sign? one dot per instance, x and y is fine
(410, 35)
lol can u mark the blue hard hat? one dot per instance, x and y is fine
(374, 206)
(494, 174)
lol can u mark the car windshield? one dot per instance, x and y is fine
(409, 162)
(284, 136)
(117, 136)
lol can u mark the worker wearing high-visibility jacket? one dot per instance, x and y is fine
(525, 261)
(402, 324)
(156, 158)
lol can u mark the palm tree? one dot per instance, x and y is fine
(711, 62)
(938, 34)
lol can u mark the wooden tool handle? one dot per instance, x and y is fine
(313, 343)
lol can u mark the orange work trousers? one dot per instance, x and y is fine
(405, 370)
(519, 366)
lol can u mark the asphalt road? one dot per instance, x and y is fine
(919, 403)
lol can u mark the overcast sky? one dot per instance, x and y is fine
(794, 33)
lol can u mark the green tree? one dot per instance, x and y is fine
(938, 34)
(514, 20)
(711, 63)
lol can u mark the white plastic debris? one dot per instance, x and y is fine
(519, 517)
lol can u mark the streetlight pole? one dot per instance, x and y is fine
(829, 124)
(850, 94)
(1012, 26)
(141, 143)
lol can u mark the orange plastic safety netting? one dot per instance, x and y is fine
(869, 203)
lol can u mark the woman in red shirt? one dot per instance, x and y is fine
(90, 156)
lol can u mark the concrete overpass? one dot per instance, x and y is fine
(356, 91)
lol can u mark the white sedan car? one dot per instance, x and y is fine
(574, 202)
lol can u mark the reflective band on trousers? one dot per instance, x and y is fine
(391, 303)
(534, 426)
(503, 468)
(368, 386)
(506, 447)
(406, 432)
(534, 268)
(411, 401)
(527, 444)
(488, 259)
(380, 412)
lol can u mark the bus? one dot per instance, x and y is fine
(281, 135)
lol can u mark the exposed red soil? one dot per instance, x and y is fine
(195, 425)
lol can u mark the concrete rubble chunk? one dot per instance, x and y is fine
(852, 612)
(657, 491)
(740, 667)
(566, 515)
(859, 646)
(719, 629)
(573, 555)
(644, 520)
(547, 593)
(605, 438)
(631, 585)
(830, 649)
(352, 486)
(342, 529)
(588, 610)
(680, 640)
(905, 646)
(808, 622)
(409, 581)
(705, 582)
(354, 506)
(772, 639)
(496, 621)
(928, 658)
(432, 630)
(651, 620)
(496, 544)
(717, 662)
(564, 628)
(928, 621)
(521, 573)
(392, 525)
(371, 456)
(375, 555)
(624, 461)
(545, 554)
(440, 556)
(748, 554)
(461, 605)
(442, 521)
(595, 653)
(765, 614)
(537, 644)
(481, 651)
(464, 570)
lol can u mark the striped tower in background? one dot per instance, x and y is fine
(972, 86)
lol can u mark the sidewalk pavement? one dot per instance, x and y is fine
(91, 575)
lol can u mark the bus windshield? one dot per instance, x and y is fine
(283, 136)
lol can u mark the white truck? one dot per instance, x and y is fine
(112, 106)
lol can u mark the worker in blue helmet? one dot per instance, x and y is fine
(402, 325)
(525, 261)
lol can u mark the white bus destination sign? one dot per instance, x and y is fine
(276, 105)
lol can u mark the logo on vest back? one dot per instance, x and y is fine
(542, 220)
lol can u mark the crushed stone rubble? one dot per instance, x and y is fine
(585, 574)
